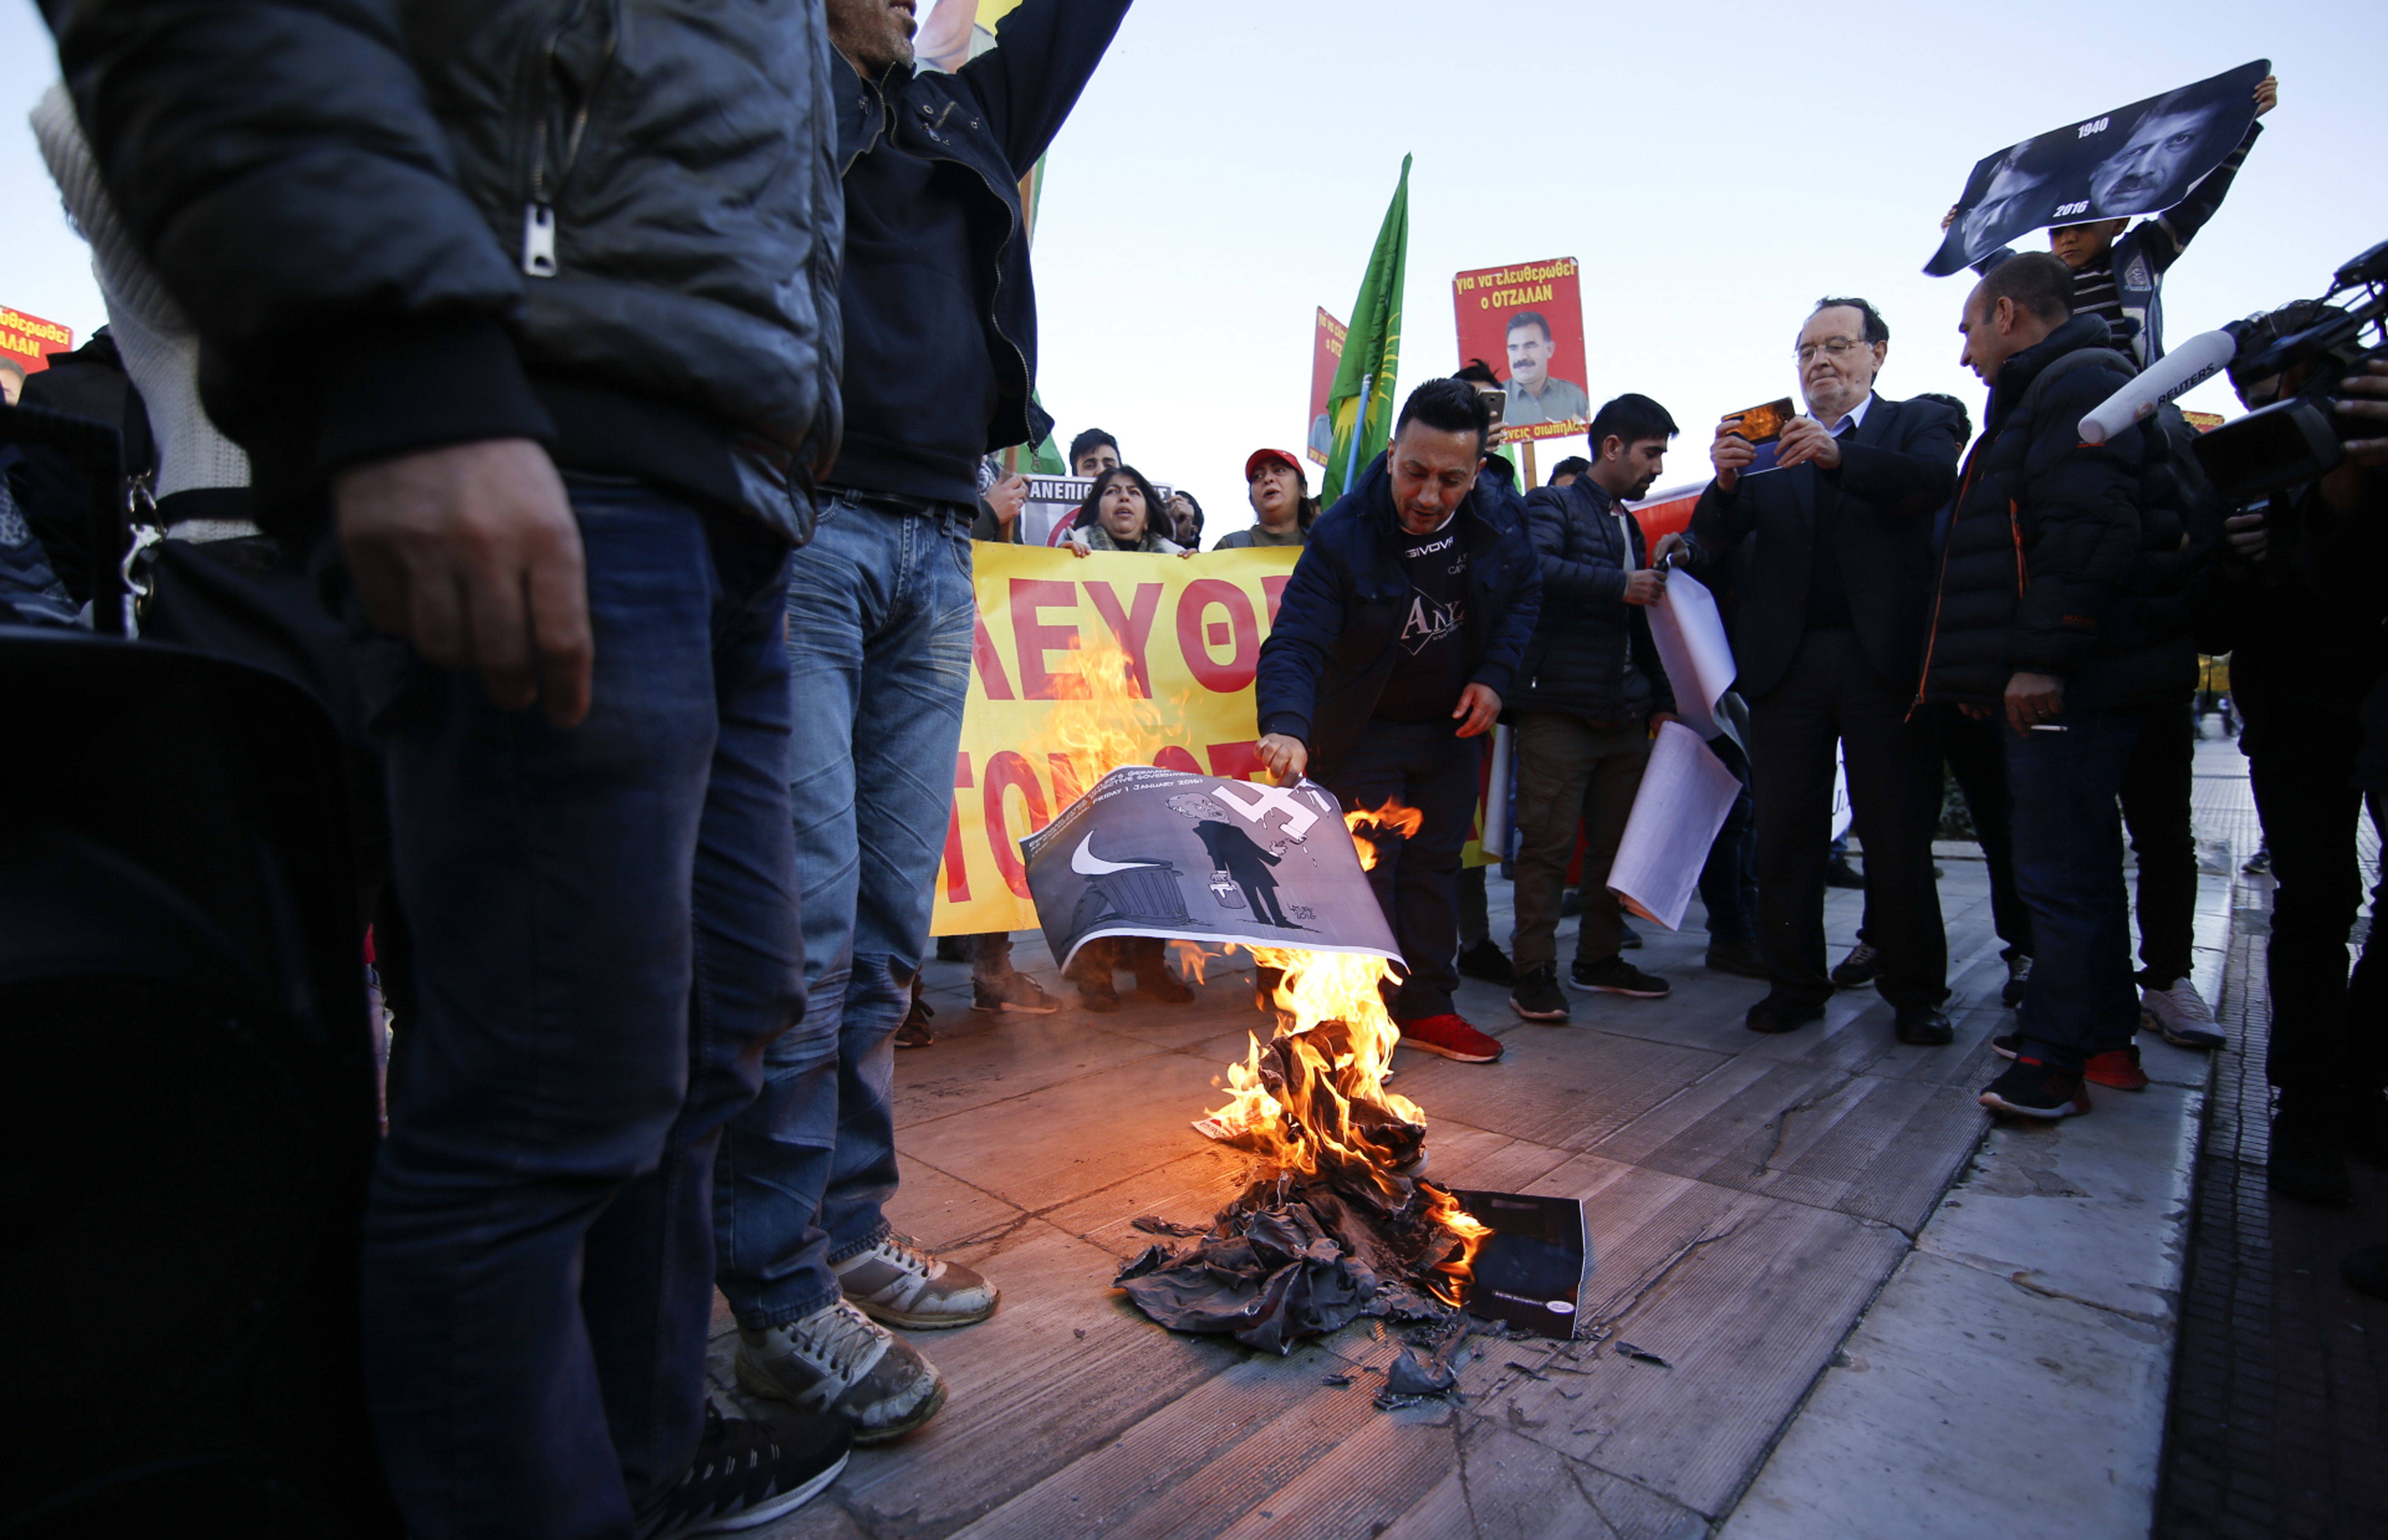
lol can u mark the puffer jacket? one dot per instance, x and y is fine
(399, 224)
(1337, 629)
(1592, 656)
(2052, 565)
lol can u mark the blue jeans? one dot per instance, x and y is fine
(2066, 833)
(880, 620)
(607, 935)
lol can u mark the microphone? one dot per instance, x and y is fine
(2191, 364)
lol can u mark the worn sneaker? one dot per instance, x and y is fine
(914, 1030)
(1614, 975)
(2181, 1016)
(2030, 1088)
(2117, 1067)
(1097, 995)
(1489, 962)
(1538, 997)
(749, 1472)
(2006, 1045)
(897, 1282)
(1840, 874)
(2261, 862)
(1856, 970)
(840, 1361)
(2018, 979)
(1450, 1035)
(1014, 991)
(1628, 938)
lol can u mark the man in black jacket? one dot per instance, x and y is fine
(1827, 631)
(2044, 615)
(545, 359)
(1589, 690)
(940, 318)
(1400, 631)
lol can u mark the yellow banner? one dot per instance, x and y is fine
(1191, 629)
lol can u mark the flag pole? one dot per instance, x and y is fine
(1359, 431)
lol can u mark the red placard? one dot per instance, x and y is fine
(1527, 322)
(27, 340)
(1326, 356)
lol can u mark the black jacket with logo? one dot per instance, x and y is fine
(1337, 636)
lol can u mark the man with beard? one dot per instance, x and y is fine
(1591, 689)
(1829, 631)
(1533, 395)
(880, 613)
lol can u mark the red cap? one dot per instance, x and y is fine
(1263, 456)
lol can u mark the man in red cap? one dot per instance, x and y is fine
(1281, 502)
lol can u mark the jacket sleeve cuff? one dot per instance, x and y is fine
(1496, 678)
(1287, 724)
(392, 390)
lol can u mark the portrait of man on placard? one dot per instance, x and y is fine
(1533, 395)
(2165, 152)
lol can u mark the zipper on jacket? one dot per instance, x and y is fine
(1940, 589)
(538, 212)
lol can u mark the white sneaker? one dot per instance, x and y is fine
(840, 1361)
(898, 1282)
(2181, 1016)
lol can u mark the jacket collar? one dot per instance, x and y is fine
(2016, 375)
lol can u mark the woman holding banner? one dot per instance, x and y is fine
(1121, 513)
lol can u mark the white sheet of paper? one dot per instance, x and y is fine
(1687, 792)
(1843, 814)
(1698, 659)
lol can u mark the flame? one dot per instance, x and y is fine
(1113, 723)
(1190, 959)
(1314, 1102)
(1401, 821)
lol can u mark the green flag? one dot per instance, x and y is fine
(1372, 351)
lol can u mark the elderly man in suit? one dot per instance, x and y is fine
(1829, 632)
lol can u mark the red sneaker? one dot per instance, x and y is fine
(2118, 1067)
(1451, 1037)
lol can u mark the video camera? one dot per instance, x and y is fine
(2289, 442)
(2297, 439)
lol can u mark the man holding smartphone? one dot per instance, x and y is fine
(1829, 625)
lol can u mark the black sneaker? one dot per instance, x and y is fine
(1856, 970)
(1924, 1026)
(1780, 1012)
(747, 1473)
(1616, 976)
(1840, 874)
(1741, 961)
(1538, 997)
(2030, 1088)
(1628, 938)
(2018, 977)
(2006, 1045)
(1488, 963)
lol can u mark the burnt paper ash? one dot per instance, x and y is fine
(1300, 1257)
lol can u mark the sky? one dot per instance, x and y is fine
(1714, 168)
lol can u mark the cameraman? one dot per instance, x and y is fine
(2299, 583)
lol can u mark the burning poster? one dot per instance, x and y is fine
(1163, 852)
